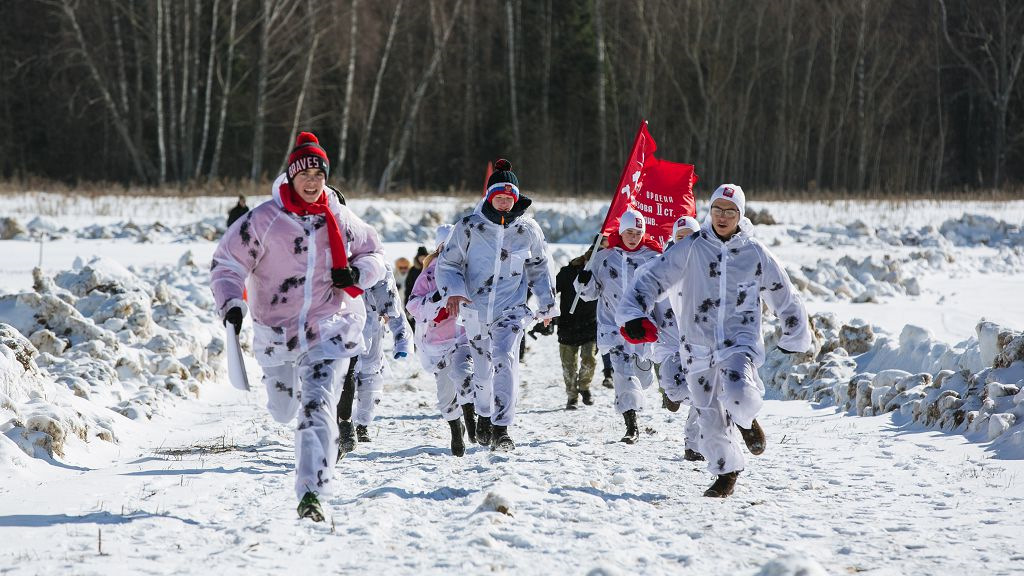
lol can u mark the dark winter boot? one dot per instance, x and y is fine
(362, 433)
(585, 395)
(483, 430)
(458, 445)
(632, 431)
(309, 507)
(570, 404)
(500, 440)
(692, 456)
(753, 437)
(668, 404)
(607, 382)
(723, 486)
(346, 438)
(469, 413)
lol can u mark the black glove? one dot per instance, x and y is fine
(540, 328)
(784, 351)
(345, 277)
(635, 328)
(234, 317)
(584, 276)
(436, 297)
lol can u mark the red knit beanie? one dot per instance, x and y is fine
(307, 154)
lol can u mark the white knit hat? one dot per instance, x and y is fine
(687, 222)
(632, 219)
(442, 233)
(732, 193)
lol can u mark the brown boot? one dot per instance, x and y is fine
(692, 455)
(753, 437)
(723, 486)
(669, 404)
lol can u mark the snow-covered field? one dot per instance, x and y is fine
(897, 448)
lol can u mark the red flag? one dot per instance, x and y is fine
(487, 177)
(661, 190)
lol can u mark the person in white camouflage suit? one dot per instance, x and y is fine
(492, 259)
(365, 383)
(716, 281)
(665, 353)
(607, 280)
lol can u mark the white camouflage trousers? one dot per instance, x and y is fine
(629, 377)
(453, 373)
(727, 394)
(309, 390)
(496, 379)
(672, 380)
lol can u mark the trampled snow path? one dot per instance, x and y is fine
(209, 490)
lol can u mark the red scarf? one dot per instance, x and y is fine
(296, 205)
(615, 241)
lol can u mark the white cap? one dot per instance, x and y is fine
(442, 233)
(732, 193)
(686, 222)
(632, 219)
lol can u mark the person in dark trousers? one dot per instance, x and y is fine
(410, 280)
(237, 211)
(577, 335)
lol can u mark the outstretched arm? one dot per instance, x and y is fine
(778, 292)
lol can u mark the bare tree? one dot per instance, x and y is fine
(207, 107)
(510, 31)
(364, 144)
(311, 16)
(135, 152)
(602, 110)
(396, 160)
(161, 140)
(225, 93)
(1000, 53)
(353, 34)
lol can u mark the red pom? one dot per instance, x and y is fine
(502, 164)
(305, 138)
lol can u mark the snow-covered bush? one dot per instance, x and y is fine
(102, 341)
(973, 388)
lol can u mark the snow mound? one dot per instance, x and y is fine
(973, 388)
(100, 342)
(792, 565)
(496, 502)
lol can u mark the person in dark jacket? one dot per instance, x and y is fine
(577, 335)
(410, 279)
(237, 211)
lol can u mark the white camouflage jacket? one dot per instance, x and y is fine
(716, 289)
(614, 269)
(494, 265)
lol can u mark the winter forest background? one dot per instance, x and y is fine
(880, 96)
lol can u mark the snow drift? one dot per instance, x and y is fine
(972, 388)
(99, 343)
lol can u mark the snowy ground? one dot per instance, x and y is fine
(210, 485)
(205, 485)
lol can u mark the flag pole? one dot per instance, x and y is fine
(600, 232)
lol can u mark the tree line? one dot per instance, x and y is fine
(852, 95)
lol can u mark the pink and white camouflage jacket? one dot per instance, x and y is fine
(285, 261)
(433, 339)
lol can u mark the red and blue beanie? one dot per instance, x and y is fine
(307, 154)
(502, 181)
